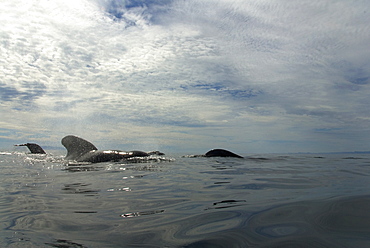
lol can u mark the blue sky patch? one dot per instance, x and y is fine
(31, 91)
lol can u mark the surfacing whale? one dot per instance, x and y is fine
(216, 153)
(221, 153)
(82, 150)
(34, 148)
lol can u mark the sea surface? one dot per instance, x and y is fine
(268, 200)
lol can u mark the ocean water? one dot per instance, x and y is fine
(296, 200)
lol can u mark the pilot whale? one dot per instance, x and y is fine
(221, 153)
(82, 150)
(216, 153)
(34, 148)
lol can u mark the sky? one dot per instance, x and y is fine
(262, 76)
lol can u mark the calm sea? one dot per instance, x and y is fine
(173, 201)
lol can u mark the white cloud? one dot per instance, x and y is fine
(237, 74)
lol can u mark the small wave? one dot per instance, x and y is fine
(227, 204)
(136, 214)
(79, 188)
(65, 243)
(6, 153)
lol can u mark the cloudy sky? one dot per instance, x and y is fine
(256, 76)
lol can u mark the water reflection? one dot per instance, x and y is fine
(119, 166)
(329, 223)
(325, 223)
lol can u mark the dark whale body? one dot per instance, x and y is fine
(34, 148)
(97, 156)
(221, 153)
(82, 150)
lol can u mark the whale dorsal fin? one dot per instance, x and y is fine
(76, 146)
(34, 148)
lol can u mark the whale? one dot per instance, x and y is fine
(221, 153)
(81, 150)
(216, 153)
(34, 148)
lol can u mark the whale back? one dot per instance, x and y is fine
(34, 148)
(221, 153)
(76, 147)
